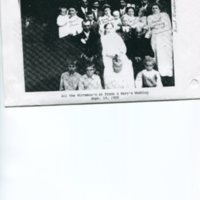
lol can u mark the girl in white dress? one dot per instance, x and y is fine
(112, 45)
(160, 31)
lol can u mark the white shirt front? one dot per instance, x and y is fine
(122, 11)
(84, 10)
(95, 11)
(87, 34)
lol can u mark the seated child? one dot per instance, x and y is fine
(148, 77)
(117, 21)
(90, 81)
(70, 79)
(62, 21)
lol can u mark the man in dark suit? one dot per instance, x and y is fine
(94, 24)
(146, 7)
(83, 9)
(122, 8)
(89, 40)
(96, 11)
(142, 48)
(90, 45)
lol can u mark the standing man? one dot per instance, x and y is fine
(83, 9)
(96, 11)
(93, 23)
(145, 7)
(122, 8)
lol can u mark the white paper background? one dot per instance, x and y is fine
(113, 152)
(186, 52)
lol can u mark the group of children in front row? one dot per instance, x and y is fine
(147, 78)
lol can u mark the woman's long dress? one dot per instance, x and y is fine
(112, 44)
(161, 40)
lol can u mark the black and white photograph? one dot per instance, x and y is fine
(58, 52)
(97, 45)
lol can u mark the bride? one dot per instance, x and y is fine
(112, 45)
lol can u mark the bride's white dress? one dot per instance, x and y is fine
(112, 45)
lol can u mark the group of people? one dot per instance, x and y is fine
(122, 48)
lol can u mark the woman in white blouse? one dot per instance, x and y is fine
(160, 32)
(69, 23)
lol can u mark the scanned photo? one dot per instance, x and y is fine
(73, 45)
(99, 51)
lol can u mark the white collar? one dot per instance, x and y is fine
(84, 9)
(87, 34)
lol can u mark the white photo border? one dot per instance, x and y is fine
(186, 47)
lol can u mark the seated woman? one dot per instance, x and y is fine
(130, 15)
(160, 32)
